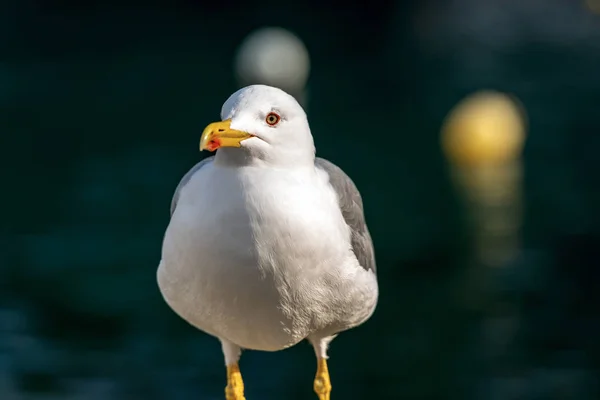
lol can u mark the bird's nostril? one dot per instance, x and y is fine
(221, 130)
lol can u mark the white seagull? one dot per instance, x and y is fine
(267, 244)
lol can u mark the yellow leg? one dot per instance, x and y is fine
(235, 385)
(322, 384)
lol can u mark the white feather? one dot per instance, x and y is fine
(263, 258)
(257, 252)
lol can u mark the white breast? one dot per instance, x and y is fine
(261, 257)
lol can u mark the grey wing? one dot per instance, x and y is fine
(186, 178)
(351, 206)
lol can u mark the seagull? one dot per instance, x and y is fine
(267, 244)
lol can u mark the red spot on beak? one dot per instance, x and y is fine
(213, 145)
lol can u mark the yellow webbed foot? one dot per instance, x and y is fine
(322, 384)
(235, 384)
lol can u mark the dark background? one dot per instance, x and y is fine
(101, 108)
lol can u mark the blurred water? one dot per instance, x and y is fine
(101, 114)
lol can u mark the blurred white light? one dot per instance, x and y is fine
(275, 57)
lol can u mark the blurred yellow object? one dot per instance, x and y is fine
(485, 128)
(593, 6)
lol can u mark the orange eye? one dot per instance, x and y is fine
(272, 119)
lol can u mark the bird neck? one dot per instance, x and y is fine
(239, 157)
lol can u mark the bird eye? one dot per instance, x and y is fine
(272, 119)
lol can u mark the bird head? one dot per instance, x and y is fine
(260, 122)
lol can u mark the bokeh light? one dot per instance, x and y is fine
(275, 57)
(483, 138)
(593, 6)
(485, 128)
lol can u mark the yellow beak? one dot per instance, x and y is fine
(220, 134)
